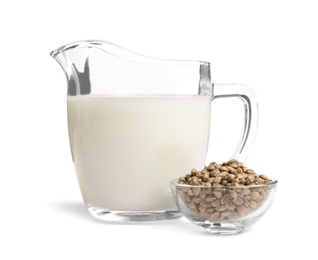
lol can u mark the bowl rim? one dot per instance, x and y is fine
(272, 184)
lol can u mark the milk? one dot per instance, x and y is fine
(127, 149)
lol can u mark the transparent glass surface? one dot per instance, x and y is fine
(223, 210)
(136, 122)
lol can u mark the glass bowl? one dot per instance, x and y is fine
(223, 210)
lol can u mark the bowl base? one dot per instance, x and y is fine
(222, 228)
(133, 216)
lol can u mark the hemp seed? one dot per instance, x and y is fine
(207, 195)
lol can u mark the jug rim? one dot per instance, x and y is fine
(124, 53)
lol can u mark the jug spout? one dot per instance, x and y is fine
(76, 68)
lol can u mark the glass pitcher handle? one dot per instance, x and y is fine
(249, 100)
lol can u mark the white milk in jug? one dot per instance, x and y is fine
(126, 150)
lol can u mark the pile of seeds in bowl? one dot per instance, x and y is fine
(231, 173)
(224, 191)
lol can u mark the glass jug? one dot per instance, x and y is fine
(135, 123)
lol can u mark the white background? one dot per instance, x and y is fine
(271, 46)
